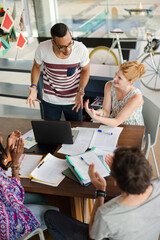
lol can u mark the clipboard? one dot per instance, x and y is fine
(79, 165)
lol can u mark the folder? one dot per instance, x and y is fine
(49, 171)
(79, 165)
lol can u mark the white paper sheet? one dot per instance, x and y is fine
(29, 139)
(49, 170)
(103, 153)
(81, 143)
(107, 138)
(81, 164)
(27, 164)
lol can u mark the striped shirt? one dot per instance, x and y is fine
(61, 76)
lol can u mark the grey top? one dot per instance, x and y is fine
(136, 118)
(118, 222)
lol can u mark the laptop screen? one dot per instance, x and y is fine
(52, 132)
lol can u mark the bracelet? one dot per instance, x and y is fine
(33, 85)
(15, 167)
(15, 170)
(13, 175)
(81, 90)
(100, 193)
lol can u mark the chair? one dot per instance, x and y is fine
(151, 115)
(38, 231)
(147, 146)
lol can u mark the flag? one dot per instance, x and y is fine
(7, 22)
(21, 41)
(12, 35)
(21, 21)
(14, 11)
(4, 46)
(2, 12)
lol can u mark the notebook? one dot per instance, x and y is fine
(53, 132)
(79, 165)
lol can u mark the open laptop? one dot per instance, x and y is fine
(49, 134)
(53, 132)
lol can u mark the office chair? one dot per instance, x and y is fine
(38, 231)
(151, 115)
(147, 146)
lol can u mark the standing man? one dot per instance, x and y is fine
(65, 75)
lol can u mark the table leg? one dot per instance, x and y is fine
(81, 208)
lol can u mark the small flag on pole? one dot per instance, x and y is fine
(4, 46)
(12, 35)
(21, 41)
(7, 22)
(14, 11)
(21, 21)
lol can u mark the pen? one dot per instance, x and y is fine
(85, 161)
(40, 164)
(108, 133)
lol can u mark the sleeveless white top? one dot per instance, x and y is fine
(136, 118)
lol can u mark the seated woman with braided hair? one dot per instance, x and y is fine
(122, 101)
(16, 219)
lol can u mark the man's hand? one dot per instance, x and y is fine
(78, 101)
(32, 97)
(109, 159)
(98, 181)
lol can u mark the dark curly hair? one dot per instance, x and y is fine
(131, 170)
(59, 30)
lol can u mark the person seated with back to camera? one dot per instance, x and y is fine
(17, 219)
(122, 102)
(135, 214)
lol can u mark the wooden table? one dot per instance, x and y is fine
(70, 191)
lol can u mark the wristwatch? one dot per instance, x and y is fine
(100, 193)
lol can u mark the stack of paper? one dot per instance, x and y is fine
(49, 171)
(79, 165)
(81, 143)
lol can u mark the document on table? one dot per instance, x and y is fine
(29, 139)
(81, 143)
(27, 164)
(79, 165)
(49, 170)
(105, 137)
(103, 153)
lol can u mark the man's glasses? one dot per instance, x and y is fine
(62, 49)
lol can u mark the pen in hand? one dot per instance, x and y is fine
(85, 161)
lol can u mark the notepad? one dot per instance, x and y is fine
(106, 137)
(79, 165)
(27, 163)
(49, 171)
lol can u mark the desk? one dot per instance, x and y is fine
(131, 136)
